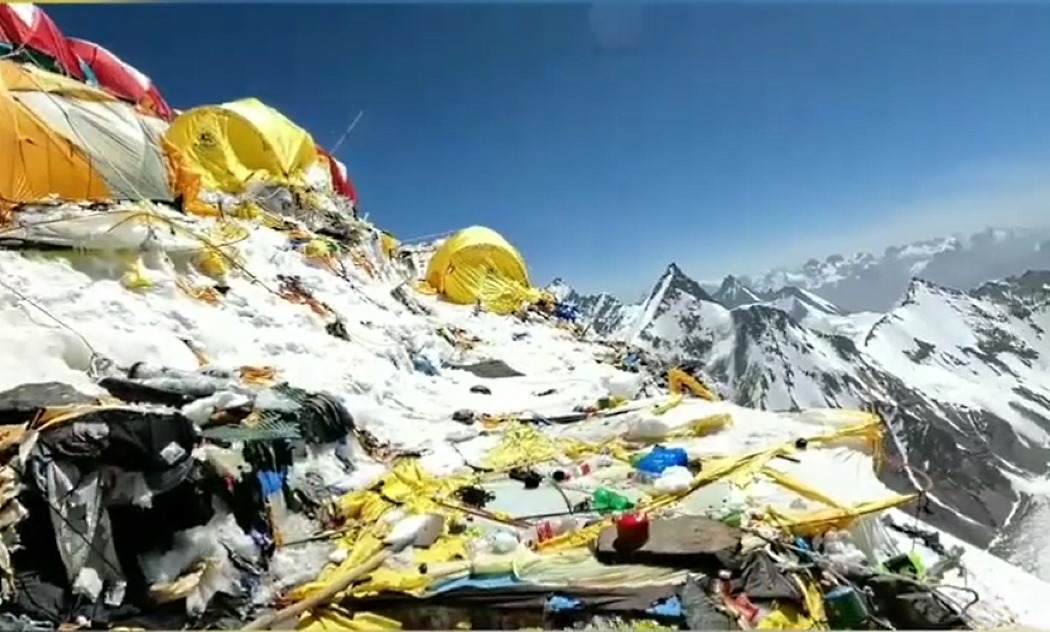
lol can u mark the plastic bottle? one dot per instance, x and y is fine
(588, 466)
(605, 501)
(550, 528)
(503, 542)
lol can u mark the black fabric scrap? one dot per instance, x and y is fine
(133, 440)
(324, 419)
(529, 478)
(474, 496)
(763, 579)
(23, 403)
(136, 392)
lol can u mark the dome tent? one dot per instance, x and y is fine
(67, 140)
(121, 79)
(478, 264)
(28, 34)
(233, 144)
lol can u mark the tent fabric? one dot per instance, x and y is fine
(478, 264)
(67, 140)
(337, 171)
(121, 79)
(351, 190)
(233, 144)
(24, 25)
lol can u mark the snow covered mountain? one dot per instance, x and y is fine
(870, 282)
(801, 304)
(734, 293)
(962, 377)
(604, 313)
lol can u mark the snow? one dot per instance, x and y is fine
(950, 321)
(60, 308)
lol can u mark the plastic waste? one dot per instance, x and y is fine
(661, 458)
(733, 509)
(585, 467)
(503, 542)
(648, 428)
(841, 552)
(845, 608)
(407, 530)
(547, 529)
(674, 480)
(424, 365)
(605, 501)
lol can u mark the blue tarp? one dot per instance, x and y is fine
(670, 608)
(485, 582)
(570, 313)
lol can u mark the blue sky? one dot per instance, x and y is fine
(607, 141)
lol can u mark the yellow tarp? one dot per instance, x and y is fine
(235, 143)
(478, 264)
(64, 140)
(562, 560)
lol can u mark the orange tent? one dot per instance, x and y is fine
(64, 139)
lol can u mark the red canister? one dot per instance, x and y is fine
(632, 531)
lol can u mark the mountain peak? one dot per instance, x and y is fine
(730, 283)
(673, 270)
(561, 290)
(734, 293)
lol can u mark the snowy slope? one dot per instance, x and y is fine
(873, 282)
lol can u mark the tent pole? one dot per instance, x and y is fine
(349, 129)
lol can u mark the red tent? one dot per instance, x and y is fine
(27, 26)
(340, 179)
(121, 79)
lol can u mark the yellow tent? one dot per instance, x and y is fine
(477, 264)
(61, 139)
(234, 143)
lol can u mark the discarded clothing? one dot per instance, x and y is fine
(763, 579)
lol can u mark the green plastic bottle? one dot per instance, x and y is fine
(605, 501)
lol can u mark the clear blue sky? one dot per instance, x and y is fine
(608, 142)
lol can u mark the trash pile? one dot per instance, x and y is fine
(234, 402)
(225, 499)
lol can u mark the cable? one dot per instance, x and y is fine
(93, 369)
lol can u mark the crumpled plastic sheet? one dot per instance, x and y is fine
(297, 564)
(213, 544)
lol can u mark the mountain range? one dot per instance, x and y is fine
(868, 282)
(960, 376)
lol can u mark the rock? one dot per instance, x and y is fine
(463, 416)
(482, 390)
(685, 542)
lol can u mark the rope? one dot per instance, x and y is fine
(96, 357)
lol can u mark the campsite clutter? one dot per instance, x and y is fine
(226, 497)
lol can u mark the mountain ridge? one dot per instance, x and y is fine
(864, 281)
